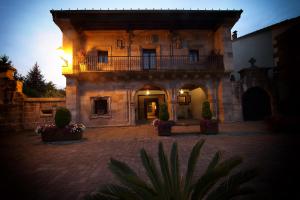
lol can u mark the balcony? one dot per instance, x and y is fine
(151, 63)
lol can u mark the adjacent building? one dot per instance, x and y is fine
(266, 66)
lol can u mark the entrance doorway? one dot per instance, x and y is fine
(151, 108)
(256, 104)
(148, 105)
(148, 100)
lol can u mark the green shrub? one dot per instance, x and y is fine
(62, 117)
(163, 112)
(206, 112)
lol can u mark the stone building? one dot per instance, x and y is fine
(120, 65)
(267, 85)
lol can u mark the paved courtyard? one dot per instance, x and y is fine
(35, 170)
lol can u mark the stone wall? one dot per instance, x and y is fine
(18, 112)
(27, 113)
(40, 110)
(11, 113)
(165, 42)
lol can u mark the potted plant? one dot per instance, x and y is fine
(163, 125)
(207, 124)
(62, 130)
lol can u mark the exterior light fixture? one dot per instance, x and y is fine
(181, 91)
(65, 56)
(147, 92)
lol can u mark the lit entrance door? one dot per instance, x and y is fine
(151, 108)
(149, 59)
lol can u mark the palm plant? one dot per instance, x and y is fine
(168, 184)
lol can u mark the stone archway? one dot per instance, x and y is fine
(189, 101)
(256, 104)
(147, 99)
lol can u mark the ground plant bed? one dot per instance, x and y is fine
(60, 135)
(51, 133)
(163, 128)
(209, 126)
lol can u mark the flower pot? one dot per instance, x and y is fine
(164, 128)
(60, 134)
(209, 126)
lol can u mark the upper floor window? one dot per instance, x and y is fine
(194, 56)
(149, 58)
(103, 56)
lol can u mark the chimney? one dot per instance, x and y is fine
(234, 35)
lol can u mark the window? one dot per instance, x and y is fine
(103, 56)
(194, 56)
(120, 44)
(48, 112)
(100, 106)
(149, 59)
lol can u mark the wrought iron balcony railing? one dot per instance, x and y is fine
(150, 63)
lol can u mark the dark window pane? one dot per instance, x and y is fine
(47, 111)
(103, 56)
(194, 56)
(149, 59)
(101, 107)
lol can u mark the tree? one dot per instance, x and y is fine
(206, 112)
(52, 91)
(18, 76)
(166, 182)
(34, 84)
(163, 112)
(5, 63)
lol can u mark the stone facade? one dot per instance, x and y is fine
(106, 72)
(124, 102)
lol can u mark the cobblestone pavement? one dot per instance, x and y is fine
(70, 170)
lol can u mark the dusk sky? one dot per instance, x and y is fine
(28, 33)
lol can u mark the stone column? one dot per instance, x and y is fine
(11, 104)
(131, 108)
(214, 90)
(223, 44)
(236, 101)
(172, 101)
(72, 98)
(225, 100)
